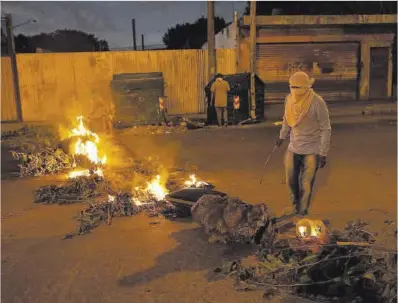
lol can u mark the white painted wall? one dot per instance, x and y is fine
(226, 38)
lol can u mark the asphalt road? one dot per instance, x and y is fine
(134, 261)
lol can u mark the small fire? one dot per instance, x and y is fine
(156, 189)
(310, 228)
(87, 145)
(111, 198)
(78, 173)
(193, 182)
(85, 172)
(302, 231)
(137, 202)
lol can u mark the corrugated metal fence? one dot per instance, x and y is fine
(64, 84)
(8, 104)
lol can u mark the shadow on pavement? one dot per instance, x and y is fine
(193, 253)
(9, 166)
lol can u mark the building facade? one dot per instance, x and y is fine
(350, 56)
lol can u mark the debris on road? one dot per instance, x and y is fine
(45, 162)
(228, 219)
(349, 268)
(124, 204)
(106, 201)
(74, 190)
(193, 125)
(37, 150)
(32, 138)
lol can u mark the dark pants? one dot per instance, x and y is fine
(236, 116)
(222, 115)
(300, 177)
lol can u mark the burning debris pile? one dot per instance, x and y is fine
(40, 152)
(228, 219)
(341, 269)
(149, 199)
(82, 154)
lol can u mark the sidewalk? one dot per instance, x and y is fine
(274, 112)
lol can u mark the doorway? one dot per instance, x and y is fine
(378, 82)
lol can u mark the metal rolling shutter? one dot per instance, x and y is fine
(333, 65)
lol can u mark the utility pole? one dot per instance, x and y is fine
(253, 34)
(134, 39)
(211, 51)
(13, 59)
(142, 42)
(237, 36)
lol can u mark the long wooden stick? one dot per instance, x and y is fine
(365, 244)
(266, 162)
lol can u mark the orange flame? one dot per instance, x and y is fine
(84, 172)
(193, 182)
(88, 146)
(156, 189)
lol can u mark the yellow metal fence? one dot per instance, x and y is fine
(8, 104)
(55, 85)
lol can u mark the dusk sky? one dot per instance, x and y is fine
(112, 20)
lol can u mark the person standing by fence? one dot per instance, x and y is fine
(219, 94)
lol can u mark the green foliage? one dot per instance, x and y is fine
(191, 35)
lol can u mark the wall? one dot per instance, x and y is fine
(226, 38)
(322, 19)
(54, 86)
(381, 33)
(8, 105)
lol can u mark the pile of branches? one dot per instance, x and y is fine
(32, 138)
(45, 162)
(37, 150)
(344, 270)
(80, 189)
(123, 204)
(228, 219)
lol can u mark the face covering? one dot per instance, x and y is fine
(300, 98)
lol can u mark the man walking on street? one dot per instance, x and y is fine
(306, 119)
(219, 92)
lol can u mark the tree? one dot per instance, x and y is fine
(324, 7)
(60, 41)
(23, 44)
(190, 35)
